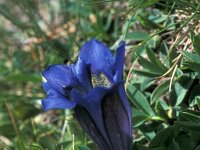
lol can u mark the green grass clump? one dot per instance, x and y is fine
(161, 69)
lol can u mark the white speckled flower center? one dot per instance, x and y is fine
(100, 81)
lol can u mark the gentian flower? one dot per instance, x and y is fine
(95, 89)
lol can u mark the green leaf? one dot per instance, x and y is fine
(146, 23)
(195, 135)
(139, 120)
(154, 60)
(139, 100)
(193, 94)
(159, 148)
(146, 83)
(198, 101)
(191, 65)
(196, 41)
(197, 148)
(146, 73)
(148, 130)
(149, 65)
(83, 148)
(161, 111)
(138, 146)
(191, 56)
(190, 117)
(137, 112)
(174, 146)
(162, 138)
(137, 36)
(154, 41)
(159, 91)
(180, 89)
(185, 142)
(66, 144)
(172, 55)
(157, 16)
(189, 125)
(138, 117)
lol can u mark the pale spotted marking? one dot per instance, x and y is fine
(100, 80)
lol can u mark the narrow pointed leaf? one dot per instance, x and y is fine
(155, 60)
(139, 100)
(159, 91)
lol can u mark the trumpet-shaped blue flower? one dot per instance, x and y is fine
(94, 88)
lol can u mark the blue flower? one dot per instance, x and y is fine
(94, 88)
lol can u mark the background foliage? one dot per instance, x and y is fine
(161, 69)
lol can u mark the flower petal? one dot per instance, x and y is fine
(55, 100)
(102, 117)
(98, 57)
(125, 101)
(90, 127)
(92, 103)
(83, 74)
(59, 77)
(119, 60)
(116, 121)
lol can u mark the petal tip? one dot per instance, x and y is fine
(95, 42)
(92, 39)
(44, 80)
(122, 44)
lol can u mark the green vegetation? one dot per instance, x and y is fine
(162, 69)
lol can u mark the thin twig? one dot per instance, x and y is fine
(12, 118)
(129, 74)
(172, 77)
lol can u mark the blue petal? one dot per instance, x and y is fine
(90, 127)
(117, 122)
(98, 57)
(107, 111)
(92, 103)
(54, 100)
(59, 77)
(83, 74)
(119, 60)
(125, 101)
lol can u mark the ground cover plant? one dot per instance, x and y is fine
(161, 69)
